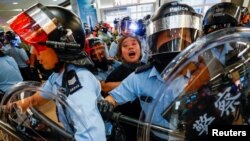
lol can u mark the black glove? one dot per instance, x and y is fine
(106, 109)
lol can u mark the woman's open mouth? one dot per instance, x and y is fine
(131, 53)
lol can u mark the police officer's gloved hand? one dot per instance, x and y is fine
(106, 109)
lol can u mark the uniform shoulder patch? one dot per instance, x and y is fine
(73, 82)
(143, 68)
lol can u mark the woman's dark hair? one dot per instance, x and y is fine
(120, 41)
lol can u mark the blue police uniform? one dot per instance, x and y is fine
(146, 85)
(9, 73)
(19, 55)
(84, 93)
(220, 54)
(113, 49)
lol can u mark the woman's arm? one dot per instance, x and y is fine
(108, 86)
(111, 100)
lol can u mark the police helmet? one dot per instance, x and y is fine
(93, 41)
(221, 15)
(171, 29)
(98, 53)
(97, 49)
(55, 27)
(127, 26)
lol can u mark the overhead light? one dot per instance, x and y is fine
(54, 0)
(15, 3)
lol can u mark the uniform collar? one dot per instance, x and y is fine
(155, 73)
(59, 78)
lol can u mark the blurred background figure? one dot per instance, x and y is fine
(95, 31)
(88, 30)
(105, 34)
(2, 37)
(115, 29)
(14, 50)
(140, 33)
(9, 72)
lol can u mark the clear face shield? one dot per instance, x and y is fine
(206, 86)
(174, 32)
(99, 55)
(98, 51)
(174, 40)
(128, 27)
(52, 120)
(213, 28)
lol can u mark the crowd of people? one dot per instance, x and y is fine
(114, 68)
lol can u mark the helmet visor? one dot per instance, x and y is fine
(174, 32)
(182, 19)
(34, 24)
(128, 26)
(174, 40)
(97, 51)
(212, 28)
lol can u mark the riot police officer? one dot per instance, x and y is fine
(220, 16)
(197, 109)
(59, 41)
(172, 28)
(99, 55)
